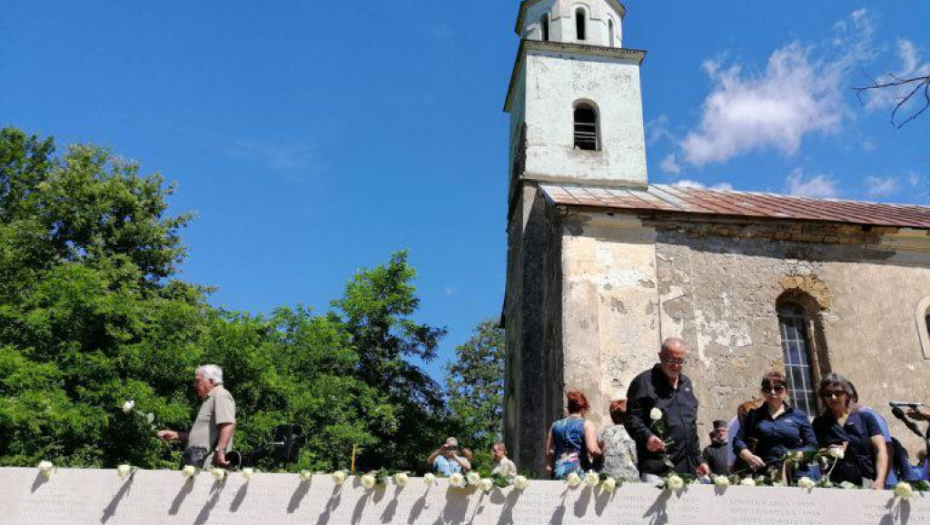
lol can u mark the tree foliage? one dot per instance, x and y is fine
(92, 314)
(475, 386)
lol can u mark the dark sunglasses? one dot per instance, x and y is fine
(778, 389)
(827, 394)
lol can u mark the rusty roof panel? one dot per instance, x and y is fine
(741, 204)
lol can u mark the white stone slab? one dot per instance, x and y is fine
(76, 497)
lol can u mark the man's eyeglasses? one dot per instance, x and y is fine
(827, 394)
(778, 389)
(673, 361)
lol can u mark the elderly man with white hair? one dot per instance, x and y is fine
(210, 437)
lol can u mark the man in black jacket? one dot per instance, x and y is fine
(665, 394)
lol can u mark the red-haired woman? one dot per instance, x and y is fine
(572, 442)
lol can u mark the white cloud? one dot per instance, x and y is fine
(800, 92)
(449, 290)
(657, 129)
(913, 178)
(881, 186)
(293, 159)
(688, 183)
(818, 186)
(670, 164)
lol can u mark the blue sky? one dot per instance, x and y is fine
(313, 139)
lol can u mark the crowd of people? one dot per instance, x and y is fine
(654, 431)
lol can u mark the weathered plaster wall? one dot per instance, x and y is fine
(554, 82)
(79, 497)
(610, 302)
(719, 288)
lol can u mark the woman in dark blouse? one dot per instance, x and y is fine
(774, 429)
(857, 433)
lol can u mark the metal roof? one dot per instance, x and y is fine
(677, 199)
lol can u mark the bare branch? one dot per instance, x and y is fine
(915, 85)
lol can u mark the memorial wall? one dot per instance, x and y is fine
(74, 497)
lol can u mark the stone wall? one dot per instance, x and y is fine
(79, 497)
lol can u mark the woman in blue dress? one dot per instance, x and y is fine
(572, 443)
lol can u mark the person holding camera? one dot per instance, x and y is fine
(210, 437)
(446, 461)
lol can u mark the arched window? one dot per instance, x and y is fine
(794, 325)
(544, 25)
(610, 33)
(580, 24)
(586, 127)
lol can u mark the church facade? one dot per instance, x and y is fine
(603, 266)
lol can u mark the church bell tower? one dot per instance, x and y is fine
(576, 119)
(575, 103)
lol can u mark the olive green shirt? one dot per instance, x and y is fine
(218, 408)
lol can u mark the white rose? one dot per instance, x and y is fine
(806, 483)
(655, 414)
(675, 483)
(457, 480)
(46, 468)
(123, 470)
(573, 480)
(473, 478)
(218, 474)
(188, 471)
(798, 456)
(429, 479)
(128, 406)
(722, 481)
(368, 481)
(486, 485)
(837, 453)
(305, 476)
(903, 490)
(247, 473)
(401, 479)
(591, 479)
(748, 482)
(609, 484)
(339, 477)
(520, 482)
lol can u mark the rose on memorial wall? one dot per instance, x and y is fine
(457, 480)
(188, 471)
(486, 485)
(748, 482)
(521, 482)
(368, 481)
(247, 473)
(573, 480)
(429, 479)
(339, 477)
(46, 468)
(903, 490)
(806, 483)
(591, 479)
(722, 481)
(401, 479)
(675, 483)
(123, 471)
(305, 476)
(608, 485)
(218, 473)
(473, 478)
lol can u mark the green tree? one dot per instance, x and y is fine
(377, 310)
(475, 387)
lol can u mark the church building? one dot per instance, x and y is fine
(602, 266)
